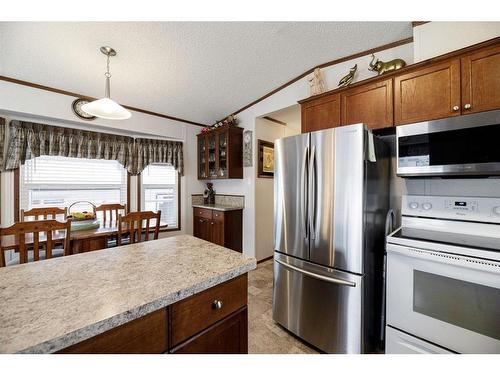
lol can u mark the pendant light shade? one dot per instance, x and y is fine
(107, 108)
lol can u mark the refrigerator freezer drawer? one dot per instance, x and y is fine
(398, 342)
(320, 305)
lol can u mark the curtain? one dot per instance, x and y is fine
(28, 140)
(151, 151)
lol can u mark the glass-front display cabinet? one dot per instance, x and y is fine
(220, 153)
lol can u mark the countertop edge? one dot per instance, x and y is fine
(72, 338)
(218, 208)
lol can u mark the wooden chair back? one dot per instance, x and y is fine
(44, 213)
(108, 210)
(34, 228)
(132, 224)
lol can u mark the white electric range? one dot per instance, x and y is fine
(443, 276)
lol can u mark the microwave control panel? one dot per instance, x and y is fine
(458, 208)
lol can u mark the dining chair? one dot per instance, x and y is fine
(108, 219)
(108, 209)
(44, 213)
(132, 225)
(28, 237)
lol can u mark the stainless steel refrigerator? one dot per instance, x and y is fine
(331, 197)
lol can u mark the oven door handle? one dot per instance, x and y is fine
(316, 276)
(442, 257)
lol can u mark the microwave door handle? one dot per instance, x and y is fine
(303, 185)
(312, 193)
(332, 280)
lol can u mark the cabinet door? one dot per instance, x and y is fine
(217, 232)
(222, 165)
(322, 113)
(202, 158)
(212, 154)
(370, 104)
(428, 93)
(481, 80)
(228, 336)
(201, 228)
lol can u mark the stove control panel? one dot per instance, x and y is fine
(457, 208)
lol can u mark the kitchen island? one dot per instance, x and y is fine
(176, 295)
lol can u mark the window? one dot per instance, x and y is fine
(60, 181)
(159, 191)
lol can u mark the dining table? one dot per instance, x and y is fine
(81, 240)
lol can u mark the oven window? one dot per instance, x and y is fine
(471, 306)
(465, 146)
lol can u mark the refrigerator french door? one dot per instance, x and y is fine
(331, 197)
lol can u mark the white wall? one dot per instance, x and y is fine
(22, 102)
(264, 189)
(437, 38)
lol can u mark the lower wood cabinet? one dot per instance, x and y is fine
(229, 336)
(212, 321)
(224, 228)
(145, 335)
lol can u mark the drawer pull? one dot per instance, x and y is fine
(217, 304)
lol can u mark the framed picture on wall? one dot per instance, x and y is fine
(266, 159)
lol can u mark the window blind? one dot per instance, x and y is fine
(61, 181)
(159, 191)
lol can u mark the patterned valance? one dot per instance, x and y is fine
(151, 151)
(28, 140)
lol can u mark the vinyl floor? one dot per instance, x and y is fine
(264, 335)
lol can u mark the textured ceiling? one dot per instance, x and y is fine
(200, 71)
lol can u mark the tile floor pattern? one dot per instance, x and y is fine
(264, 335)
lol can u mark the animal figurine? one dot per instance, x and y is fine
(385, 67)
(346, 80)
(316, 83)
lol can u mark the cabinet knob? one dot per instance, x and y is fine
(456, 108)
(217, 304)
(468, 106)
(201, 221)
(212, 223)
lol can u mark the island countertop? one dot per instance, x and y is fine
(49, 305)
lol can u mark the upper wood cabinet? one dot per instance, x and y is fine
(481, 80)
(461, 82)
(321, 113)
(370, 104)
(220, 153)
(429, 93)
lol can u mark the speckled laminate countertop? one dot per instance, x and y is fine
(218, 207)
(48, 305)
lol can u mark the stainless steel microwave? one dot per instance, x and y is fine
(455, 146)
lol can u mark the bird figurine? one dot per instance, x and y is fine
(346, 80)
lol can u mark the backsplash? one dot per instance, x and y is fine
(222, 199)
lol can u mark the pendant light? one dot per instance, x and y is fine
(106, 107)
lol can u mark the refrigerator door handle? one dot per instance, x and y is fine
(312, 193)
(303, 184)
(316, 276)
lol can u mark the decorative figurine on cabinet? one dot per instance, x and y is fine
(347, 80)
(385, 67)
(316, 83)
(209, 194)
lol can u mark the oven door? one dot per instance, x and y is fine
(450, 300)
